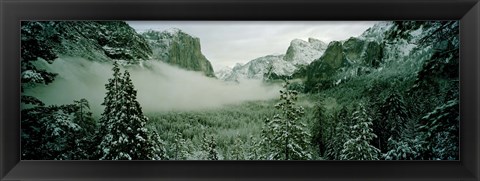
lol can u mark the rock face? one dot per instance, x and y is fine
(97, 40)
(353, 52)
(385, 42)
(257, 68)
(303, 53)
(222, 73)
(299, 54)
(175, 47)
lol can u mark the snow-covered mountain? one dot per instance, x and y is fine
(299, 53)
(92, 40)
(223, 72)
(385, 42)
(257, 68)
(178, 48)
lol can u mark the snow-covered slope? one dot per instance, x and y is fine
(92, 40)
(401, 42)
(257, 68)
(299, 53)
(223, 72)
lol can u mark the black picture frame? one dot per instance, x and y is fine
(13, 11)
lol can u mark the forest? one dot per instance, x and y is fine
(391, 94)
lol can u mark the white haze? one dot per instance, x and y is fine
(160, 87)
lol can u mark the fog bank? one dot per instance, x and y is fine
(160, 87)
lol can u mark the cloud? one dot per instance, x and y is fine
(160, 87)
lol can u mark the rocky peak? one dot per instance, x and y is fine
(97, 40)
(178, 48)
(301, 52)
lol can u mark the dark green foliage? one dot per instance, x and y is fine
(37, 42)
(323, 128)
(340, 134)
(123, 133)
(83, 117)
(358, 147)
(181, 149)
(210, 148)
(402, 29)
(411, 112)
(285, 136)
(394, 116)
(238, 149)
(57, 132)
(440, 130)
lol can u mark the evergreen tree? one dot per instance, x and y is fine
(37, 42)
(395, 115)
(323, 128)
(439, 131)
(83, 117)
(237, 152)
(254, 149)
(210, 147)
(358, 146)
(405, 149)
(181, 148)
(109, 115)
(285, 135)
(123, 131)
(158, 151)
(340, 135)
(57, 134)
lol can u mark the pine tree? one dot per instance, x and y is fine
(254, 149)
(132, 122)
(109, 115)
(405, 149)
(158, 150)
(86, 138)
(210, 147)
(237, 152)
(285, 136)
(57, 134)
(123, 131)
(439, 131)
(37, 42)
(323, 128)
(358, 146)
(181, 148)
(395, 115)
(340, 135)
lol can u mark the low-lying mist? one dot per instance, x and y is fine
(160, 87)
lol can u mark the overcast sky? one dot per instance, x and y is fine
(226, 43)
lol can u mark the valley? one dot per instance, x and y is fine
(391, 93)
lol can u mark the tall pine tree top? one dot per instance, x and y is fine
(123, 132)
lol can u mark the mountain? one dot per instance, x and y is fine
(178, 48)
(403, 43)
(300, 53)
(223, 72)
(303, 53)
(116, 40)
(257, 68)
(352, 52)
(93, 40)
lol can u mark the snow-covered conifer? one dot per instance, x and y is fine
(285, 136)
(358, 146)
(210, 147)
